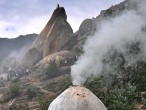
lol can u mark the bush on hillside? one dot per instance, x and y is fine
(2, 83)
(32, 92)
(19, 107)
(118, 97)
(14, 90)
(51, 71)
(59, 85)
(43, 103)
(121, 98)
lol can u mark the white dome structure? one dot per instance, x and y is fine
(77, 98)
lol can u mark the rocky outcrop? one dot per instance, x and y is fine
(86, 26)
(54, 37)
(57, 38)
(86, 29)
(39, 42)
(62, 60)
(89, 26)
(56, 57)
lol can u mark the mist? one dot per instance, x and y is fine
(116, 34)
(15, 57)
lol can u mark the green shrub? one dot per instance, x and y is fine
(95, 85)
(109, 12)
(14, 90)
(59, 85)
(2, 83)
(32, 91)
(140, 80)
(142, 99)
(121, 98)
(117, 97)
(19, 107)
(43, 103)
(50, 71)
(16, 80)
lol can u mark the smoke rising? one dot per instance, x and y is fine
(15, 57)
(118, 33)
(18, 55)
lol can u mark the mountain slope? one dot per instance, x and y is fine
(7, 46)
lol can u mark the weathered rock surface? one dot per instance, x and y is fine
(39, 42)
(89, 26)
(86, 26)
(86, 29)
(57, 38)
(53, 38)
(62, 55)
(59, 61)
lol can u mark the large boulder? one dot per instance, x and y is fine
(60, 59)
(55, 35)
(58, 37)
(53, 38)
(39, 42)
(61, 56)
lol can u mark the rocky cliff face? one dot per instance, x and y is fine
(53, 38)
(57, 38)
(39, 42)
(89, 26)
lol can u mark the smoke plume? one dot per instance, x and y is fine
(123, 30)
(14, 57)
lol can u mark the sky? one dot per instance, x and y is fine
(21, 17)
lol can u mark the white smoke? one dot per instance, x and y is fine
(19, 54)
(15, 57)
(116, 33)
